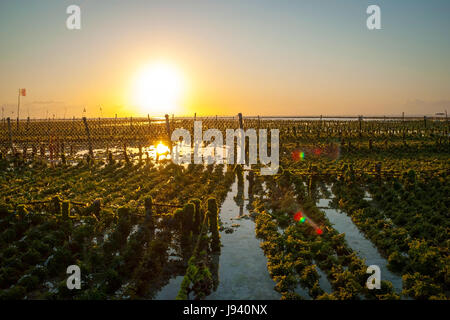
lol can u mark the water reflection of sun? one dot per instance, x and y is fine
(162, 149)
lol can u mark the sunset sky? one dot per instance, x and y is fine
(302, 57)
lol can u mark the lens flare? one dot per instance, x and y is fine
(298, 216)
(331, 151)
(297, 155)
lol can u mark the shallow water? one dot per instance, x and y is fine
(359, 243)
(170, 290)
(323, 281)
(243, 270)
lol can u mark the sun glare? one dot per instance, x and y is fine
(162, 149)
(159, 88)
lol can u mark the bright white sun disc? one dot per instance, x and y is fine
(159, 88)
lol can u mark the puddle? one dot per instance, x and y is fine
(243, 270)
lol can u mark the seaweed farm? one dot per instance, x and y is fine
(347, 195)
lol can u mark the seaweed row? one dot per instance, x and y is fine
(401, 223)
(293, 255)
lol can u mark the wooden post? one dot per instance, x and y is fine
(25, 147)
(169, 135)
(18, 109)
(378, 169)
(148, 203)
(241, 124)
(213, 224)
(360, 126)
(403, 128)
(446, 122)
(110, 158)
(123, 213)
(63, 156)
(187, 223)
(10, 135)
(149, 127)
(95, 207)
(125, 155)
(251, 182)
(65, 209)
(42, 151)
(33, 152)
(91, 153)
(56, 202)
(50, 148)
(198, 217)
(149, 221)
(425, 121)
(115, 125)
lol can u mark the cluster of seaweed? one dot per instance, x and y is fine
(407, 220)
(296, 251)
(115, 221)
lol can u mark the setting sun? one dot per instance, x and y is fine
(159, 88)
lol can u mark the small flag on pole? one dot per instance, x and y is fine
(23, 92)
